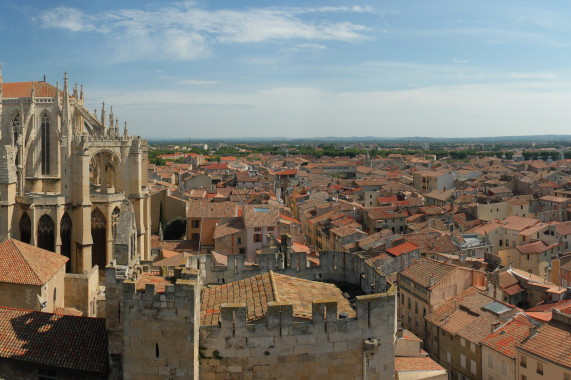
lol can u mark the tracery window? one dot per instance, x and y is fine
(45, 144)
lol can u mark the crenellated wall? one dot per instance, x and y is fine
(158, 335)
(281, 347)
(333, 266)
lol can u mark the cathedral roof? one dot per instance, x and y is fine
(22, 263)
(24, 90)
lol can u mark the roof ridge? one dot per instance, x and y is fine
(274, 287)
(25, 259)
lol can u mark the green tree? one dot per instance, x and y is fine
(175, 228)
(162, 218)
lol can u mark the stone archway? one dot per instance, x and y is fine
(99, 236)
(104, 168)
(65, 235)
(25, 228)
(46, 233)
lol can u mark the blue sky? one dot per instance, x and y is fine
(303, 69)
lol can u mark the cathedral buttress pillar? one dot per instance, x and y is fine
(8, 180)
(81, 214)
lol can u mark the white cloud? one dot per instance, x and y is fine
(456, 60)
(304, 48)
(66, 18)
(187, 32)
(194, 82)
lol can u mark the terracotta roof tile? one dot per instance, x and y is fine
(22, 263)
(402, 248)
(423, 269)
(24, 90)
(257, 291)
(552, 342)
(504, 339)
(62, 341)
(416, 364)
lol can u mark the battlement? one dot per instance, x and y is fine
(333, 266)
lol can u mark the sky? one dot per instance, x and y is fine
(223, 69)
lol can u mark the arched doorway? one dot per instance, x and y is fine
(99, 236)
(65, 235)
(25, 228)
(46, 233)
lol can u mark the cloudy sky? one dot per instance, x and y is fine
(301, 68)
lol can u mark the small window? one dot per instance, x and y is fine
(448, 357)
(463, 342)
(242, 251)
(472, 347)
(504, 368)
(258, 229)
(257, 238)
(463, 360)
(490, 361)
(239, 240)
(270, 229)
(523, 361)
(473, 366)
(539, 369)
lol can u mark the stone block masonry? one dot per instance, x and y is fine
(280, 347)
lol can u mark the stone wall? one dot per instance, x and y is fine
(160, 331)
(324, 348)
(81, 291)
(333, 266)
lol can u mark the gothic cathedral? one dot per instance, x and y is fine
(66, 175)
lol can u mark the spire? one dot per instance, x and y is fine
(116, 127)
(125, 132)
(104, 128)
(57, 92)
(75, 91)
(111, 119)
(81, 93)
(95, 113)
(65, 108)
(33, 91)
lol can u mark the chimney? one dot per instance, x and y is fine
(431, 281)
(445, 318)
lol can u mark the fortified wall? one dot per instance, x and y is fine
(156, 333)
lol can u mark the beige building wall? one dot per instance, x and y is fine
(551, 371)
(497, 366)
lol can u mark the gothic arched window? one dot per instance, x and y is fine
(45, 144)
(16, 124)
(25, 228)
(46, 233)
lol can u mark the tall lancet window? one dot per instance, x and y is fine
(45, 144)
(16, 129)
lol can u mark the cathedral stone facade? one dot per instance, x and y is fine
(66, 175)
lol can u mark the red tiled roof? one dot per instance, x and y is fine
(287, 172)
(67, 311)
(552, 342)
(61, 341)
(416, 364)
(402, 248)
(147, 278)
(23, 263)
(504, 339)
(24, 90)
(257, 291)
(422, 269)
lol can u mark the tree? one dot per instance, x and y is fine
(175, 228)
(162, 218)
